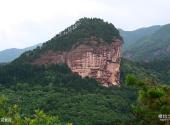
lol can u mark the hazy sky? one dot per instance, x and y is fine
(24, 23)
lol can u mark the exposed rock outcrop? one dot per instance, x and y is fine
(91, 57)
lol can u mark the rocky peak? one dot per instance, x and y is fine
(90, 48)
(92, 58)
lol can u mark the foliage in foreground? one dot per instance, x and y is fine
(153, 101)
(12, 116)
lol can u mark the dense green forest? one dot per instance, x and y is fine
(58, 92)
(53, 91)
(158, 70)
(161, 69)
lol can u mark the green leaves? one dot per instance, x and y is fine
(80, 107)
(40, 118)
(3, 100)
(12, 116)
(131, 80)
(152, 100)
(155, 93)
(147, 94)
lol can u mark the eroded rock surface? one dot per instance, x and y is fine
(92, 57)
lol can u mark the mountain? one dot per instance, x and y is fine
(91, 48)
(38, 79)
(83, 28)
(150, 49)
(48, 78)
(155, 46)
(9, 55)
(130, 37)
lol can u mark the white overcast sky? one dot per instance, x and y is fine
(25, 23)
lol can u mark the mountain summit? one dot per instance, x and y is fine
(90, 48)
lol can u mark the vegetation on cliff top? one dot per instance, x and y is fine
(83, 28)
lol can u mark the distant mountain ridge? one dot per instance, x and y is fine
(9, 55)
(130, 37)
(155, 46)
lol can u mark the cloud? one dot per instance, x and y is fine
(27, 22)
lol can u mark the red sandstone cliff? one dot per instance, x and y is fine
(93, 58)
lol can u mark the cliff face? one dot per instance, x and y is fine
(93, 58)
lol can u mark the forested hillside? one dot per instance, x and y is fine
(58, 92)
(157, 70)
(131, 37)
(152, 47)
(161, 68)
